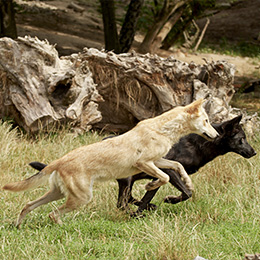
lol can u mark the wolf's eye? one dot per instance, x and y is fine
(207, 121)
(241, 141)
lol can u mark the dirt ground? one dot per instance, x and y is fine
(71, 31)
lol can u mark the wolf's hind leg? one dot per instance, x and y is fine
(52, 195)
(74, 201)
(168, 164)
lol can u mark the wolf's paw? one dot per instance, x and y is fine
(55, 218)
(189, 185)
(151, 185)
(151, 207)
(172, 199)
(137, 215)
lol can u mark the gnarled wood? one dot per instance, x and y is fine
(136, 86)
(103, 90)
(38, 88)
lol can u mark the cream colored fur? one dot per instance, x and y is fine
(140, 149)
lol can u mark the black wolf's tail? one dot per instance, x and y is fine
(37, 165)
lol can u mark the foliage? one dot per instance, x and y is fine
(220, 222)
(193, 9)
(151, 10)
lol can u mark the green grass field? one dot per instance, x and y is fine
(221, 221)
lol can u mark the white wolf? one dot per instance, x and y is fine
(145, 145)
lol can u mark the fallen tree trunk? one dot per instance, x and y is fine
(103, 90)
(136, 87)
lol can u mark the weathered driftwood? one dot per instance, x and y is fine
(103, 90)
(38, 88)
(136, 86)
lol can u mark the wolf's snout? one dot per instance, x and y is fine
(214, 133)
(210, 133)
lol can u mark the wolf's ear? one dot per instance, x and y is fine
(231, 124)
(194, 107)
(236, 120)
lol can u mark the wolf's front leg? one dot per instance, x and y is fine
(152, 170)
(168, 164)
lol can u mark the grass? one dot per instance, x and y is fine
(246, 101)
(221, 221)
(243, 49)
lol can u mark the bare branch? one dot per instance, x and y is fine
(202, 35)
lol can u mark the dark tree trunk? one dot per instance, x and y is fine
(109, 22)
(127, 32)
(7, 19)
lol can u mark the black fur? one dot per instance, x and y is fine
(193, 152)
(37, 165)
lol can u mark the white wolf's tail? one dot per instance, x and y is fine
(29, 183)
